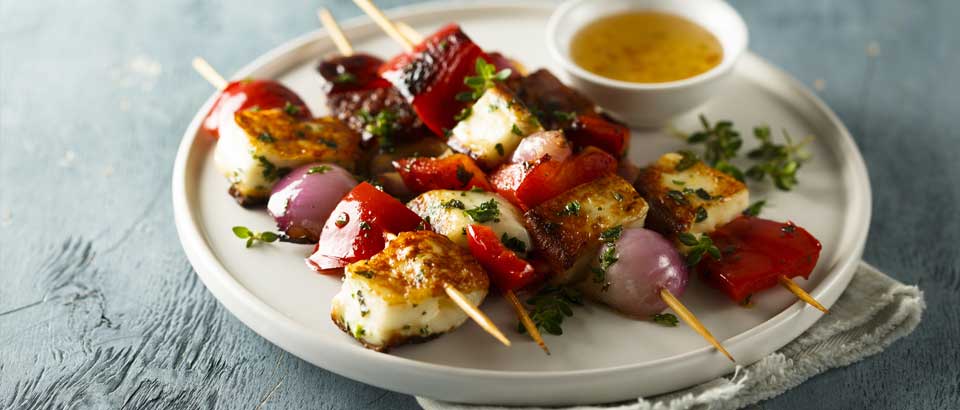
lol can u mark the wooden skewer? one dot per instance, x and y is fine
(525, 320)
(409, 32)
(368, 7)
(475, 314)
(209, 73)
(692, 321)
(801, 294)
(335, 33)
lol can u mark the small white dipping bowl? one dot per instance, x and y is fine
(648, 104)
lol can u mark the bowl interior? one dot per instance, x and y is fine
(714, 15)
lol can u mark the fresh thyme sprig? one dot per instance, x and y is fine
(721, 144)
(487, 76)
(780, 161)
(243, 232)
(697, 247)
(550, 306)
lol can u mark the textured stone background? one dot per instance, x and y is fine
(100, 309)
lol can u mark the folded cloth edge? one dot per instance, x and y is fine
(849, 334)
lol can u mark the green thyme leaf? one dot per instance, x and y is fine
(665, 319)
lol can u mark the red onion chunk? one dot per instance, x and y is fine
(302, 201)
(538, 144)
(646, 262)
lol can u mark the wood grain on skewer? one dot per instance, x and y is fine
(692, 321)
(335, 33)
(525, 320)
(368, 7)
(209, 73)
(801, 294)
(475, 314)
(409, 32)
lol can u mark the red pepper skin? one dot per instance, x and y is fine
(528, 185)
(458, 172)
(432, 75)
(507, 270)
(356, 228)
(245, 94)
(755, 253)
(351, 73)
(593, 130)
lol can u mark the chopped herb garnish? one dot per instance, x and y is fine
(463, 175)
(665, 319)
(486, 76)
(514, 244)
(550, 306)
(678, 182)
(572, 208)
(477, 189)
(499, 148)
(453, 203)
(677, 197)
(494, 107)
(687, 160)
(243, 232)
(381, 126)
(703, 194)
(291, 109)
(788, 229)
(516, 130)
(266, 137)
(485, 212)
(463, 114)
(754, 210)
(270, 171)
(365, 226)
(342, 220)
(320, 169)
(701, 214)
(698, 247)
(345, 78)
(612, 234)
(365, 273)
(565, 116)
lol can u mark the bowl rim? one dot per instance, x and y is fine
(566, 62)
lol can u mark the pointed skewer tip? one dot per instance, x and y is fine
(476, 314)
(526, 320)
(802, 294)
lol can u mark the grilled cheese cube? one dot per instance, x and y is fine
(677, 196)
(260, 146)
(398, 296)
(447, 213)
(566, 229)
(495, 125)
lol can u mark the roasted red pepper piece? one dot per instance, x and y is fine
(351, 73)
(432, 75)
(755, 253)
(458, 171)
(507, 270)
(356, 228)
(593, 130)
(246, 94)
(527, 185)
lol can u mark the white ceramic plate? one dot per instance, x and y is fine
(601, 357)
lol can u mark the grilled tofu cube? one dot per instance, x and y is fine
(398, 295)
(260, 146)
(449, 213)
(696, 199)
(493, 128)
(566, 229)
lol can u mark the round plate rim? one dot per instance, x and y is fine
(289, 335)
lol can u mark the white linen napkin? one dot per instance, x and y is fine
(874, 311)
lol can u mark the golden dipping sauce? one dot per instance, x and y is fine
(645, 47)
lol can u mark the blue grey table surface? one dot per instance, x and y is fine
(99, 307)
